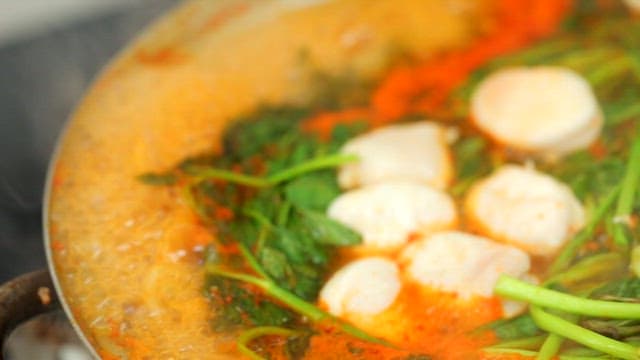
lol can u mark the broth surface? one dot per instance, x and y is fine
(126, 255)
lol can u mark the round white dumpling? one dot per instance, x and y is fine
(413, 152)
(387, 215)
(525, 208)
(366, 286)
(545, 110)
(462, 263)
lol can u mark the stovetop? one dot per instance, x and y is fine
(41, 79)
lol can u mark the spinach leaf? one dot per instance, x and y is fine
(519, 327)
(235, 306)
(249, 136)
(314, 192)
(471, 162)
(622, 290)
(327, 231)
(588, 176)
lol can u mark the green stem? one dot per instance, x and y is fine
(298, 305)
(553, 342)
(569, 251)
(588, 268)
(262, 239)
(253, 262)
(583, 59)
(188, 197)
(610, 69)
(319, 163)
(572, 357)
(525, 343)
(526, 353)
(627, 194)
(201, 174)
(248, 336)
(617, 116)
(283, 213)
(259, 217)
(557, 325)
(519, 290)
(550, 347)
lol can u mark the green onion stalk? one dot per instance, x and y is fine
(626, 200)
(540, 297)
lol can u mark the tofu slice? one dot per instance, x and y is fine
(462, 263)
(525, 208)
(545, 110)
(367, 286)
(412, 152)
(388, 214)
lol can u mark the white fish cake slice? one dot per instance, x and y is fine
(414, 152)
(525, 208)
(549, 111)
(387, 215)
(366, 287)
(462, 263)
(633, 5)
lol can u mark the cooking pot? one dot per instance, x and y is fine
(123, 257)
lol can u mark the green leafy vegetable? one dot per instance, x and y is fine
(248, 336)
(297, 346)
(327, 231)
(158, 179)
(627, 290)
(249, 307)
(312, 192)
(516, 328)
(471, 162)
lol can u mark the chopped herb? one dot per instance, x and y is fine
(158, 179)
(297, 346)
(516, 328)
(622, 290)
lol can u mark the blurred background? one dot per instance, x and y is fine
(50, 50)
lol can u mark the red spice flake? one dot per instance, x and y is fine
(228, 249)
(160, 57)
(115, 328)
(598, 149)
(414, 236)
(237, 168)
(258, 165)
(324, 123)
(58, 177)
(104, 355)
(425, 87)
(223, 213)
(57, 245)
